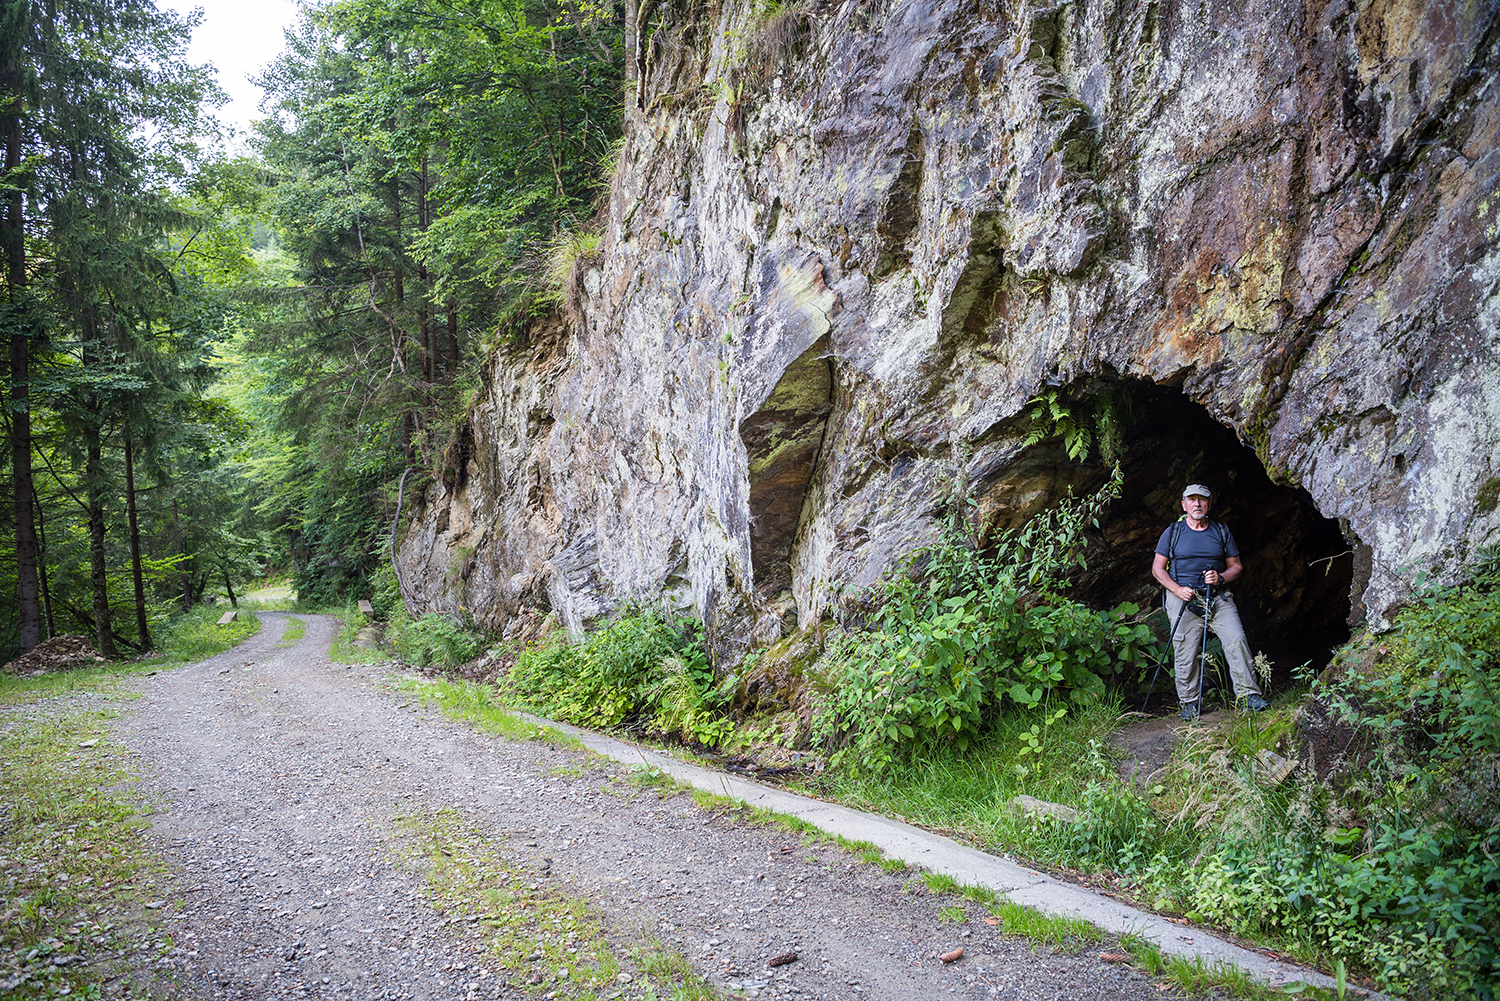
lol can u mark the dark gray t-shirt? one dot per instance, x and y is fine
(1196, 551)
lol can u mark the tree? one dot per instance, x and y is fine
(101, 116)
(423, 155)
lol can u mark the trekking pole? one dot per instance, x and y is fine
(1171, 640)
(1208, 605)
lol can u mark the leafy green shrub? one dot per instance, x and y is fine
(958, 635)
(385, 591)
(1413, 892)
(640, 668)
(1419, 910)
(433, 639)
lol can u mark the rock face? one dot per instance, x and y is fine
(848, 242)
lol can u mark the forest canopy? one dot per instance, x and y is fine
(221, 365)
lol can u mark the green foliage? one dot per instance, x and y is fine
(1396, 868)
(75, 868)
(433, 640)
(1080, 424)
(116, 292)
(570, 253)
(194, 635)
(642, 669)
(959, 635)
(419, 160)
(385, 592)
(478, 704)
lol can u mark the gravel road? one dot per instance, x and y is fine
(279, 776)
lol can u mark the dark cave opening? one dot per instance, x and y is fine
(1294, 596)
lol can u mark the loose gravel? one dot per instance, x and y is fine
(279, 777)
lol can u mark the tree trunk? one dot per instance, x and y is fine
(98, 571)
(28, 604)
(429, 342)
(424, 324)
(452, 340)
(142, 633)
(230, 588)
(187, 576)
(41, 568)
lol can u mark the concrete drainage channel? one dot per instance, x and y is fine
(938, 854)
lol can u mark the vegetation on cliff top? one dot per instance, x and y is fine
(222, 365)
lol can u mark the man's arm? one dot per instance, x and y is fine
(1232, 569)
(1159, 571)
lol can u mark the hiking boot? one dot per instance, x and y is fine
(1257, 704)
(1189, 711)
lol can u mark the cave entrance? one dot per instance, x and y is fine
(1294, 597)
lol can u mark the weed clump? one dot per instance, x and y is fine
(641, 669)
(959, 636)
(433, 640)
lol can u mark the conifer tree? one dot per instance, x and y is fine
(100, 118)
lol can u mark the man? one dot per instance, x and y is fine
(1194, 555)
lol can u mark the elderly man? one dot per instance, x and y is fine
(1194, 555)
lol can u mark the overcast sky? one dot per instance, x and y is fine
(238, 37)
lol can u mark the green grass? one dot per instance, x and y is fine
(196, 635)
(295, 630)
(1199, 979)
(1062, 934)
(75, 873)
(939, 882)
(184, 639)
(969, 795)
(649, 778)
(529, 923)
(478, 704)
(978, 894)
(346, 648)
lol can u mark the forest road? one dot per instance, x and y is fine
(280, 778)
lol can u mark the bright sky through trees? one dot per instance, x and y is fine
(239, 37)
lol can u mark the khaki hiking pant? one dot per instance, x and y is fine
(1187, 643)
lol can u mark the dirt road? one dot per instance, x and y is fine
(281, 778)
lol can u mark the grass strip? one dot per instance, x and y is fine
(187, 638)
(545, 937)
(77, 880)
(477, 703)
(295, 630)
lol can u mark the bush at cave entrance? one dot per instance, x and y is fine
(959, 635)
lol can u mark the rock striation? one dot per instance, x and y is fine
(849, 241)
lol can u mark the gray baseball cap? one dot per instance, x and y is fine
(1197, 489)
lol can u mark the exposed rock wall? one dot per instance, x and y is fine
(848, 242)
